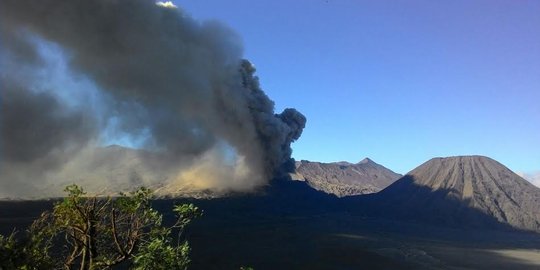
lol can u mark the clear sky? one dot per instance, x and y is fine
(397, 81)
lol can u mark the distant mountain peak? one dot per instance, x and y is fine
(114, 146)
(345, 178)
(366, 161)
(463, 158)
(461, 185)
(343, 163)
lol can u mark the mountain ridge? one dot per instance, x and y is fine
(344, 178)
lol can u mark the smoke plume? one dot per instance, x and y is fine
(76, 75)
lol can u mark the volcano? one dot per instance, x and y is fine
(344, 178)
(464, 190)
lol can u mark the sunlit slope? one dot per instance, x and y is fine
(465, 189)
(345, 179)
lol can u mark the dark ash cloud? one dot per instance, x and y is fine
(178, 86)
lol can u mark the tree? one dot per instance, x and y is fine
(90, 233)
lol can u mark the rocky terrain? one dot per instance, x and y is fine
(472, 190)
(344, 178)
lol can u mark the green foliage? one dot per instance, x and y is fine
(16, 254)
(160, 255)
(186, 213)
(10, 253)
(86, 233)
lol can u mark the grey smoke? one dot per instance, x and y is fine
(178, 86)
(35, 125)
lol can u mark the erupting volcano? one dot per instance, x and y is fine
(80, 75)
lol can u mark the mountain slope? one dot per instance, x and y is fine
(345, 179)
(464, 189)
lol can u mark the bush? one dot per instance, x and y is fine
(86, 233)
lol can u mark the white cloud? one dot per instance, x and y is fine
(167, 4)
(533, 177)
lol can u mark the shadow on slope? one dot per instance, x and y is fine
(406, 200)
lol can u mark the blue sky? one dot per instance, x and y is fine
(397, 81)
